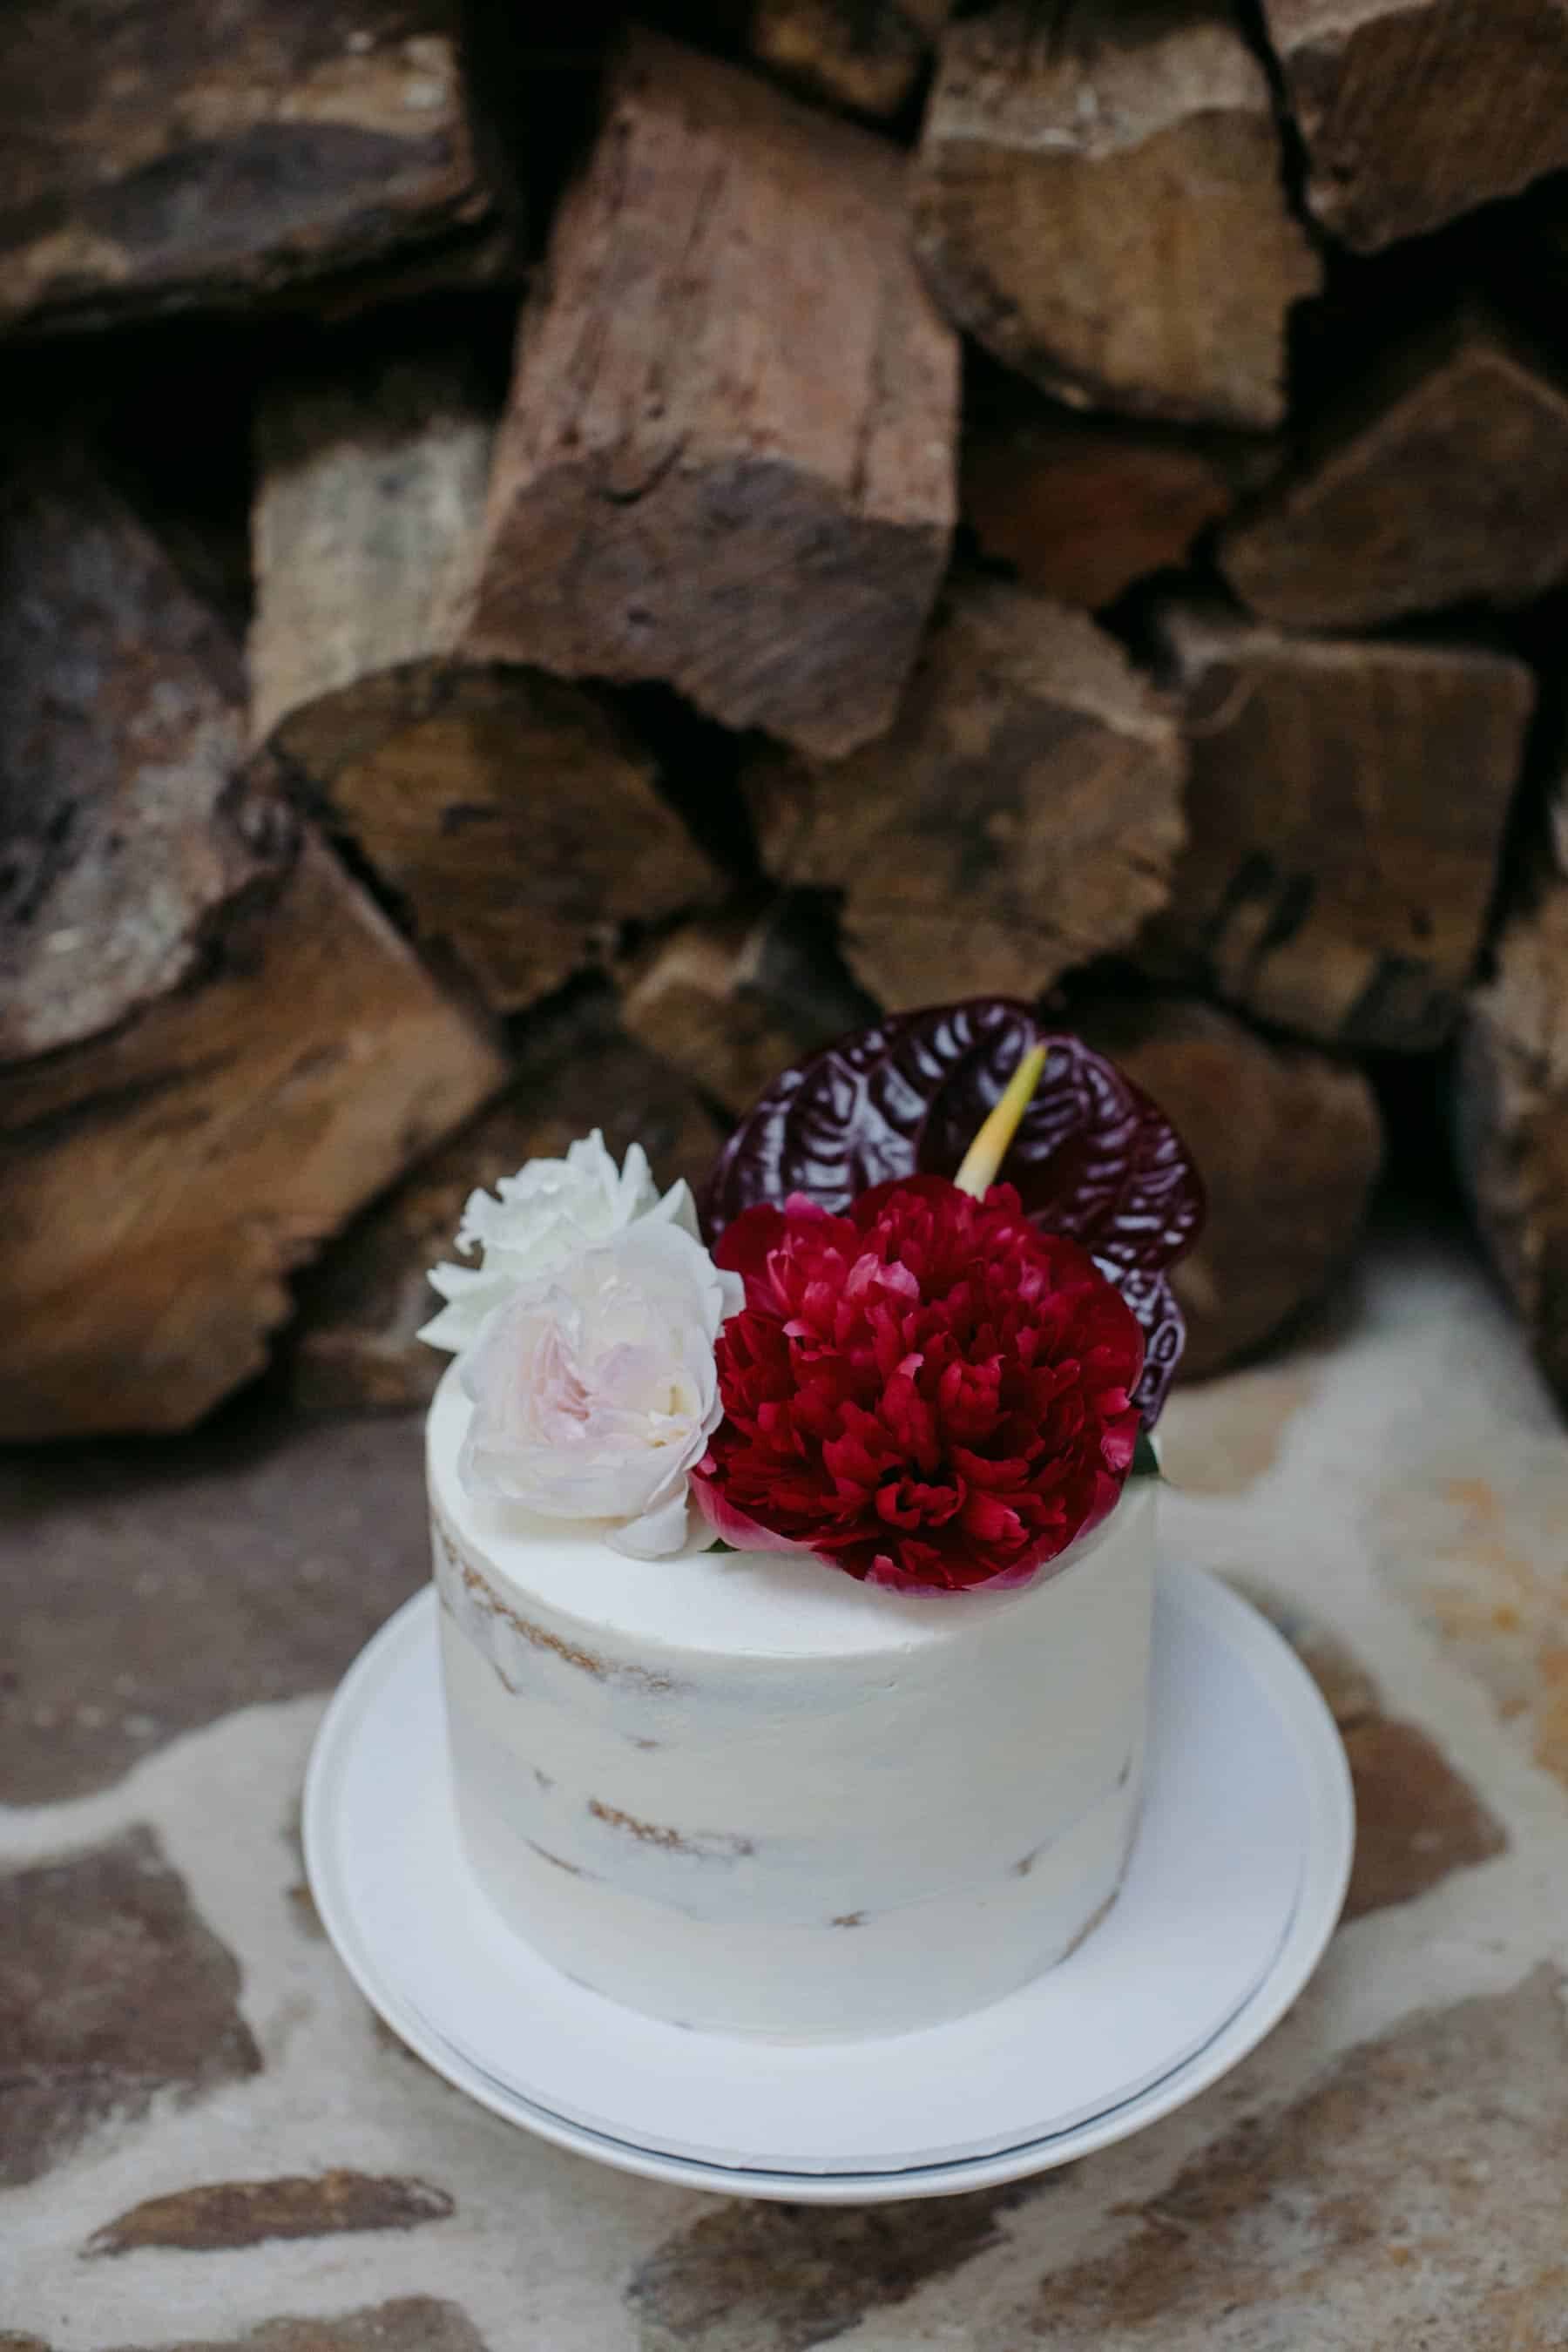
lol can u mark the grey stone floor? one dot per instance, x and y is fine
(205, 2139)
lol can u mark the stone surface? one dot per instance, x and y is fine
(1221, 1437)
(1388, 2169)
(1416, 1819)
(1414, 2198)
(111, 1991)
(244, 2212)
(785, 2277)
(275, 1553)
(1470, 1545)
(1350, 1690)
(418, 2323)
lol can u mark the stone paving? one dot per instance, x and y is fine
(207, 2140)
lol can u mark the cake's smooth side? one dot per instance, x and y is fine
(744, 1793)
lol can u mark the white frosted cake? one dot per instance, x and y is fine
(796, 1568)
(745, 1793)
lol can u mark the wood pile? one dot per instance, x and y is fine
(1510, 1102)
(646, 665)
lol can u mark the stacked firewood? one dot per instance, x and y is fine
(1066, 500)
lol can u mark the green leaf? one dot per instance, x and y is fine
(1145, 1461)
(719, 1544)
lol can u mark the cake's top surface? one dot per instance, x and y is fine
(738, 1604)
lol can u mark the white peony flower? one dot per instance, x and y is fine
(538, 1219)
(594, 1387)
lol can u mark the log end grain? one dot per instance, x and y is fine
(728, 458)
(1098, 201)
(1024, 815)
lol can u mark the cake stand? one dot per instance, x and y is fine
(1235, 1883)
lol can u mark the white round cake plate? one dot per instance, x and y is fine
(1234, 1887)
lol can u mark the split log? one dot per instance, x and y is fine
(1288, 1143)
(1510, 1112)
(734, 1000)
(1098, 202)
(515, 817)
(727, 459)
(356, 1345)
(1022, 816)
(124, 823)
(1413, 112)
(166, 154)
(1444, 480)
(1082, 506)
(158, 1184)
(867, 54)
(1346, 805)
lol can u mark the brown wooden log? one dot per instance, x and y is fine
(866, 55)
(1510, 1110)
(1413, 112)
(354, 1345)
(1346, 806)
(727, 459)
(516, 817)
(1443, 480)
(164, 152)
(733, 1000)
(1289, 1142)
(124, 823)
(1023, 816)
(158, 1184)
(1098, 201)
(1082, 506)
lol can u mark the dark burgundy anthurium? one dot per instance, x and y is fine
(1094, 1158)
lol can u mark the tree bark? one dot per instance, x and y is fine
(728, 458)
(1511, 1105)
(516, 818)
(167, 154)
(1444, 480)
(733, 1000)
(1288, 1143)
(1413, 112)
(1346, 807)
(1098, 202)
(125, 826)
(159, 1184)
(1022, 817)
(356, 1345)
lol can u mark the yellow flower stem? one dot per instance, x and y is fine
(986, 1154)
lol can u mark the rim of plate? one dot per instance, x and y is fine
(1261, 1650)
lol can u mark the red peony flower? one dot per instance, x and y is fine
(926, 1392)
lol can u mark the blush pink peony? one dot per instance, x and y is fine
(595, 1385)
